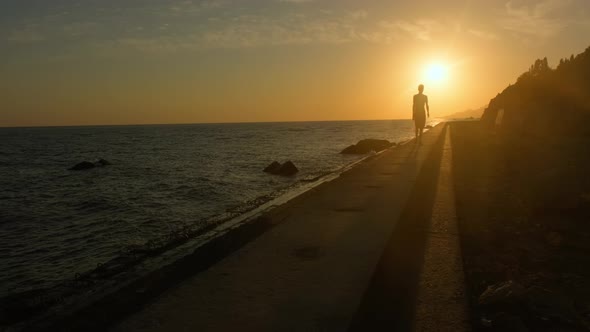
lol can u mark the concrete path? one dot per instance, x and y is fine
(441, 303)
(311, 271)
(418, 283)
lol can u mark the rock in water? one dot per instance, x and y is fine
(350, 150)
(83, 166)
(288, 169)
(273, 168)
(367, 145)
(103, 162)
(373, 145)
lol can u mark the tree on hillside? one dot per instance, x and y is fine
(552, 99)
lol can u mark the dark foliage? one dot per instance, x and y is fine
(546, 100)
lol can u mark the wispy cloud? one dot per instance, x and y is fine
(359, 14)
(185, 25)
(538, 20)
(421, 29)
(483, 34)
(247, 31)
(28, 33)
(296, 1)
(326, 27)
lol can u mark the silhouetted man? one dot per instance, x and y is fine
(418, 112)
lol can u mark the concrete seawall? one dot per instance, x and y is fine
(375, 248)
(312, 270)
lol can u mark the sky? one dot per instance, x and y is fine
(103, 62)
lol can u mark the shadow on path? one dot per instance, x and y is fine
(389, 302)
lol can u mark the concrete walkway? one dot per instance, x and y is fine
(311, 271)
(441, 303)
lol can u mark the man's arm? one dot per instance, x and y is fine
(427, 107)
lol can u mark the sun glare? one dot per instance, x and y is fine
(436, 73)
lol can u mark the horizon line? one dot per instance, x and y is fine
(189, 123)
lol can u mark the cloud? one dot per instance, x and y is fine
(538, 20)
(483, 34)
(321, 27)
(184, 7)
(41, 30)
(29, 33)
(80, 29)
(181, 25)
(247, 31)
(421, 29)
(296, 1)
(359, 14)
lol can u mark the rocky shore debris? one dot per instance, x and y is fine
(510, 306)
(367, 145)
(285, 169)
(85, 165)
(504, 293)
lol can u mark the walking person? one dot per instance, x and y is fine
(420, 109)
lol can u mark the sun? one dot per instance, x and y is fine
(436, 72)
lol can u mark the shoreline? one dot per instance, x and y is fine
(310, 270)
(136, 207)
(215, 242)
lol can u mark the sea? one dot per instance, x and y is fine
(56, 223)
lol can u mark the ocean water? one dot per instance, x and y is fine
(55, 223)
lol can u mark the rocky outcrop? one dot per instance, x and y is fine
(510, 305)
(86, 165)
(273, 168)
(367, 145)
(103, 162)
(285, 169)
(288, 169)
(83, 166)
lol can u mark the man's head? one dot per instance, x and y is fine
(421, 88)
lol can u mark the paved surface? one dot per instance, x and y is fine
(418, 282)
(309, 272)
(441, 303)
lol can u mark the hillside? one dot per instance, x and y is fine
(523, 202)
(546, 100)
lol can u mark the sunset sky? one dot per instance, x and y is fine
(154, 61)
